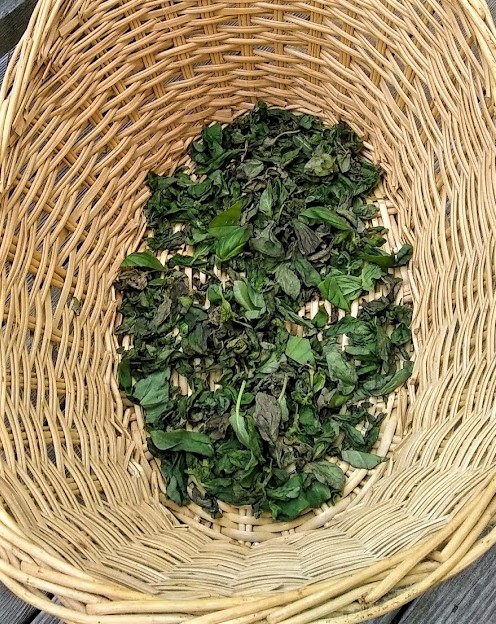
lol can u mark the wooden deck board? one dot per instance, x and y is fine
(390, 618)
(13, 610)
(468, 598)
(44, 618)
(14, 17)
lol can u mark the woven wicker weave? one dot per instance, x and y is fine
(97, 94)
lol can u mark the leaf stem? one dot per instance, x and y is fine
(240, 396)
(283, 391)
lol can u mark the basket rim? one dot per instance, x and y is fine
(453, 548)
(449, 550)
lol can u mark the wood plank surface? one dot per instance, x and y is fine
(390, 618)
(13, 610)
(44, 618)
(469, 598)
(14, 17)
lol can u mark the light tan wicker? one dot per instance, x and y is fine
(98, 93)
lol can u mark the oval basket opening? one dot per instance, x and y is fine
(112, 92)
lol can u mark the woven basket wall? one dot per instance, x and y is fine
(97, 94)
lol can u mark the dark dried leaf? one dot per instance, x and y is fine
(278, 202)
(267, 416)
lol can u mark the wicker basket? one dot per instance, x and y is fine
(97, 94)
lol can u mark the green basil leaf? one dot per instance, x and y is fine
(212, 134)
(317, 493)
(125, 376)
(358, 459)
(152, 393)
(306, 271)
(246, 432)
(382, 259)
(340, 289)
(252, 168)
(300, 350)
(341, 370)
(226, 313)
(290, 490)
(267, 416)
(401, 335)
(397, 380)
(328, 473)
(266, 200)
(214, 293)
(228, 218)
(330, 290)
(174, 472)
(345, 325)
(320, 214)
(233, 243)
(365, 211)
(271, 364)
(182, 440)
(248, 298)
(308, 422)
(321, 318)
(144, 260)
(350, 286)
(266, 243)
(369, 276)
(403, 256)
(321, 165)
(238, 423)
(319, 381)
(288, 281)
(198, 190)
(308, 240)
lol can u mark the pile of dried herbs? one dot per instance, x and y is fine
(277, 203)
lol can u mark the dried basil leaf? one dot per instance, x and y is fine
(144, 260)
(182, 440)
(277, 202)
(358, 459)
(267, 416)
(300, 350)
(288, 280)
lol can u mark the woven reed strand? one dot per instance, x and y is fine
(98, 93)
